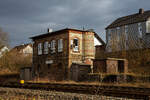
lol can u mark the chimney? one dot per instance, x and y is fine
(141, 11)
(49, 30)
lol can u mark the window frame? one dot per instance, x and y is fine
(140, 32)
(75, 47)
(109, 35)
(126, 30)
(46, 45)
(118, 33)
(148, 27)
(53, 46)
(39, 48)
(60, 45)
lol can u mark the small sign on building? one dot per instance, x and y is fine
(49, 61)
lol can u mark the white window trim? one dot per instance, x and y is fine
(60, 45)
(46, 47)
(39, 48)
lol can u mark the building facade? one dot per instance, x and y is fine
(24, 49)
(54, 52)
(129, 32)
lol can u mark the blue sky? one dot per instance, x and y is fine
(25, 18)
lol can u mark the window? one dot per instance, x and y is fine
(109, 40)
(60, 45)
(126, 37)
(109, 35)
(75, 44)
(39, 48)
(118, 33)
(140, 30)
(118, 38)
(53, 43)
(46, 48)
(148, 27)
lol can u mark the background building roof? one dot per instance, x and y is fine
(130, 19)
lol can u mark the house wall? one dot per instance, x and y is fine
(108, 66)
(61, 62)
(3, 50)
(59, 59)
(99, 66)
(147, 34)
(28, 50)
(133, 41)
(112, 66)
(86, 47)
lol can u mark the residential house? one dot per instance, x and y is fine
(24, 49)
(55, 52)
(129, 32)
(3, 49)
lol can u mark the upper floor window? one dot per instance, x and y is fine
(140, 29)
(148, 27)
(118, 33)
(53, 46)
(126, 36)
(60, 45)
(46, 48)
(75, 44)
(39, 48)
(109, 35)
(126, 32)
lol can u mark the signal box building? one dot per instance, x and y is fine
(54, 52)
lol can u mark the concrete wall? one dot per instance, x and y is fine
(109, 66)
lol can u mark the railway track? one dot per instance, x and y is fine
(116, 91)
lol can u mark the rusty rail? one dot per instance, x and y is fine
(116, 91)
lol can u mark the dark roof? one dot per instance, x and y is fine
(56, 32)
(130, 19)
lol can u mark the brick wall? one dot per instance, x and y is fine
(65, 58)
